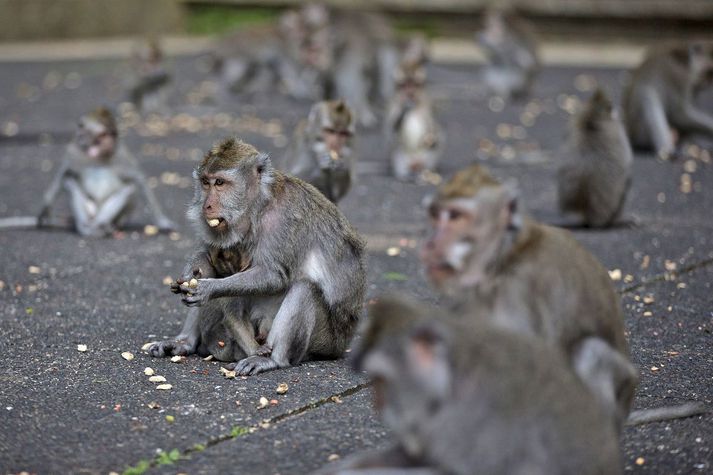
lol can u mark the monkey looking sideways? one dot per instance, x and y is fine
(596, 172)
(282, 237)
(102, 178)
(322, 151)
(660, 95)
(499, 265)
(466, 398)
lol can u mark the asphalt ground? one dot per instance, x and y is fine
(65, 411)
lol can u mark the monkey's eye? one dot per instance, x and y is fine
(454, 214)
(219, 182)
(205, 182)
(329, 130)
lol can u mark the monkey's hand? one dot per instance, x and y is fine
(178, 347)
(204, 290)
(183, 284)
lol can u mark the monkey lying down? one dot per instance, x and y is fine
(278, 276)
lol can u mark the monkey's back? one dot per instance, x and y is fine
(540, 419)
(571, 296)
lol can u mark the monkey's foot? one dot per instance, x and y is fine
(171, 348)
(264, 350)
(253, 365)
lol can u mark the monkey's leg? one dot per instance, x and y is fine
(608, 375)
(83, 210)
(387, 461)
(114, 207)
(291, 331)
(187, 341)
(657, 125)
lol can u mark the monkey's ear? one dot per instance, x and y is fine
(428, 358)
(512, 196)
(263, 164)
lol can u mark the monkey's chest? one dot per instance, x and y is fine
(416, 131)
(227, 262)
(99, 183)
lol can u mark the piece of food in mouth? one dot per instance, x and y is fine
(213, 222)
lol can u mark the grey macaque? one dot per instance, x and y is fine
(660, 96)
(102, 178)
(595, 174)
(500, 266)
(151, 79)
(287, 241)
(463, 398)
(322, 151)
(416, 140)
(510, 45)
(295, 54)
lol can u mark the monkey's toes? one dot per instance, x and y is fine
(254, 365)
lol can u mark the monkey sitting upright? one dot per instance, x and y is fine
(510, 45)
(595, 175)
(499, 265)
(102, 178)
(322, 151)
(284, 244)
(416, 139)
(660, 96)
(468, 398)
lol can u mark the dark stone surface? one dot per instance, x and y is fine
(64, 411)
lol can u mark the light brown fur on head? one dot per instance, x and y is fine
(340, 114)
(105, 118)
(467, 183)
(226, 155)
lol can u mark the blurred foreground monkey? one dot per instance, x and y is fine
(500, 266)
(102, 178)
(660, 96)
(151, 78)
(462, 398)
(596, 172)
(415, 137)
(273, 236)
(322, 151)
(510, 45)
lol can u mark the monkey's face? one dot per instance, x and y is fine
(95, 140)
(411, 379)
(333, 148)
(466, 234)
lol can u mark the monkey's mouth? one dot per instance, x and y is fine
(215, 223)
(440, 271)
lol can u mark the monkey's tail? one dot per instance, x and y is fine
(645, 416)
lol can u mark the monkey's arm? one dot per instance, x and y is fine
(54, 188)
(133, 173)
(259, 280)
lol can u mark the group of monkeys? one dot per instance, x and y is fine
(528, 354)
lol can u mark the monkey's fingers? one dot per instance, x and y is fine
(254, 365)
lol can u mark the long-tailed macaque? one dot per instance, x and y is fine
(149, 90)
(322, 151)
(415, 137)
(500, 266)
(101, 177)
(595, 175)
(510, 46)
(282, 240)
(462, 397)
(660, 95)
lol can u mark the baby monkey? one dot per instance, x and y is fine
(660, 95)
(322, 151)
(101, 177)
(415, 136)
(463, 398)
(596, 172)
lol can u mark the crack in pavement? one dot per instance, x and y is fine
(334, 398)
(667, 276)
